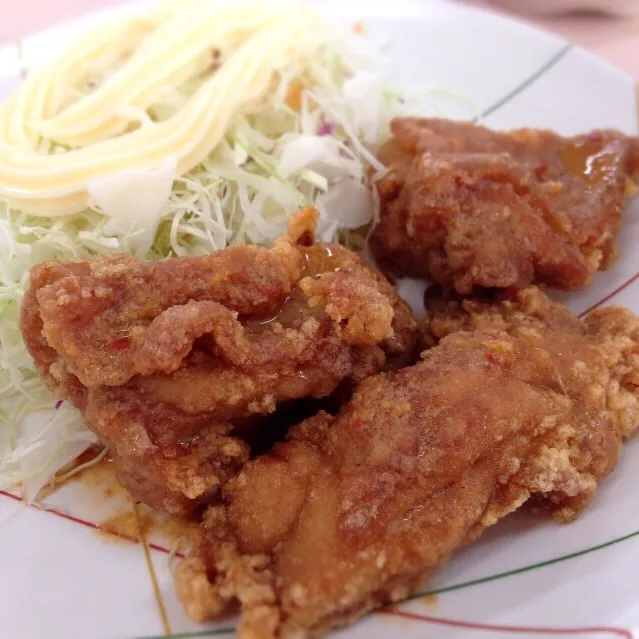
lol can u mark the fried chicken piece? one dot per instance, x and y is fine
(469, 207)
(519, 402)
(168, 360)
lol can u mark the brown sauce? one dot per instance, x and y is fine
(124, 526)
(318, 258)
(292, 313)
(98, 480)
(589, 158)
(430, 600)
(99, 483)
(159, 529)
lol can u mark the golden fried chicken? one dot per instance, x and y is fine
(522, 402)
(170, 360)
(469, 207)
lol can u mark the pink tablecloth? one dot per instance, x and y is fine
(614, 39)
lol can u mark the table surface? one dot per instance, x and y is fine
(615, 39)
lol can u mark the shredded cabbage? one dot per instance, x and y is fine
(312, 141)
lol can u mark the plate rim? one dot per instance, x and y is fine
(77, 23)
(354, 9)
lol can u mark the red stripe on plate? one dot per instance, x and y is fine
(83, 522)
(610, 295)
(619, 632)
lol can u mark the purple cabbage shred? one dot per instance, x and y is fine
(325, 128)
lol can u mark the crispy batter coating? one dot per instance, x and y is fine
(519, 402)
(469, 207)
(167, 360)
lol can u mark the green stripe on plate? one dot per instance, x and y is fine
(518, 571)
(437, 591)
(526, 83)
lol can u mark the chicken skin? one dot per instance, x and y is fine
(473, 208)
(168, 361)
(518, 402)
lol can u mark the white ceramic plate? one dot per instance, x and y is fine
(527, 577)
